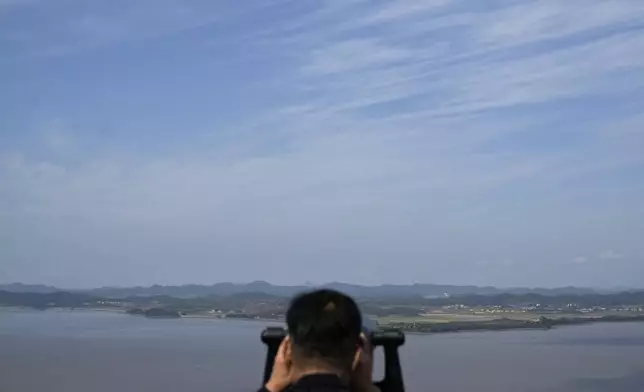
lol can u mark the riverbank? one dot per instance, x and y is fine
(419, 326)
(505, 324)
(60, 309)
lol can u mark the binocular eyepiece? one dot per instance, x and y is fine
(388, 339)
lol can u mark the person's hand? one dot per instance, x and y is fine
(362, 375)
(282, 375)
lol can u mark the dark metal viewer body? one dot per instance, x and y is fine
(389, 339)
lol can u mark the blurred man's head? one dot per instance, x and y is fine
(324, 329)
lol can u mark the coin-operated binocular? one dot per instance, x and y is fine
(388, 339)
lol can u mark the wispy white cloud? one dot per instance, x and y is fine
(580, 260)
(396, 11)
(56, 138)
(533, 21)
(610, 255)
(488, 79)
(456, 74)
(354, 55)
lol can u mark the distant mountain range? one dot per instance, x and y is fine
(225, 289)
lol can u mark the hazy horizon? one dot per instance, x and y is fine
(317, 284)
(490, 143)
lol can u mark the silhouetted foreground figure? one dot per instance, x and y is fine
(325, 349)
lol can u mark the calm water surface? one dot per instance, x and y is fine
(64, 351)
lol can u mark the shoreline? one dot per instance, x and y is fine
(498, 325)
(419, 328)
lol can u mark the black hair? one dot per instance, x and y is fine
(324, 325)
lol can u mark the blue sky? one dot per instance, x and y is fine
(448, 141)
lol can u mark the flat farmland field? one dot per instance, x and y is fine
(435, 318)
(445, 317)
